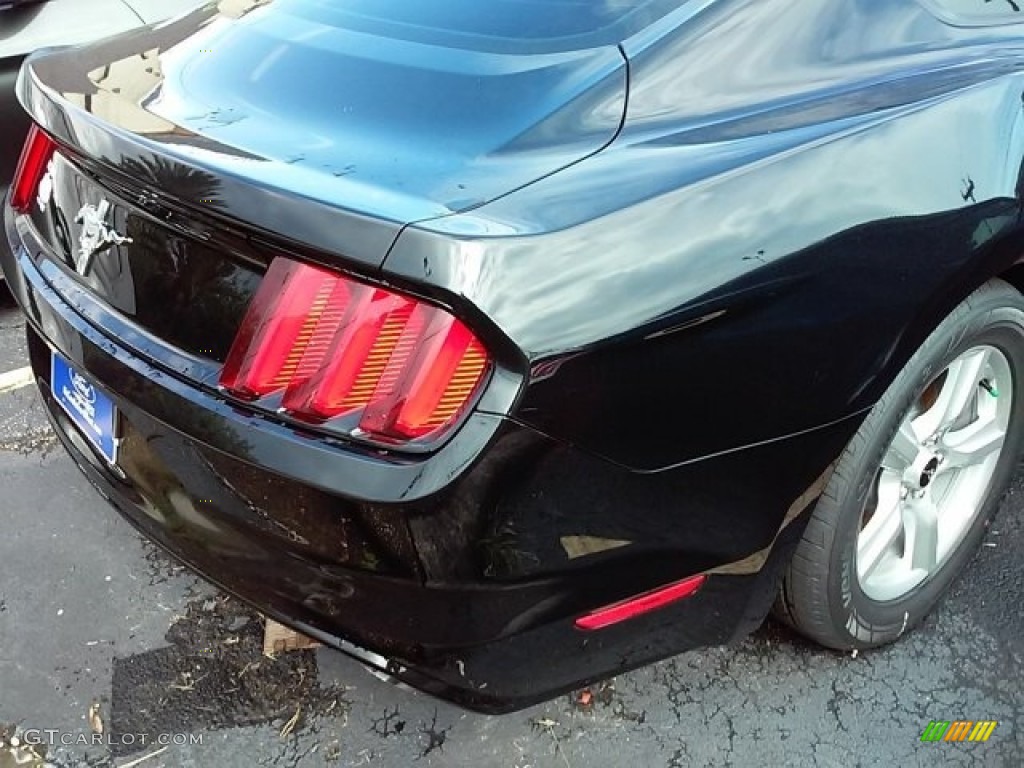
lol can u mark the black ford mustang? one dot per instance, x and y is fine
(510, 344)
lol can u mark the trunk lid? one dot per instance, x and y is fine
(282, 97)
(213, 141)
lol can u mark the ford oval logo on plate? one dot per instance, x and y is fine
(84, 391)
(91, 411)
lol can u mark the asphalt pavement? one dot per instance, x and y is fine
(111, 654)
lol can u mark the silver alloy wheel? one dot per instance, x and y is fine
(935, 474)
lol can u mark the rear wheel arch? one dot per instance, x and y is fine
(1014, 275)
(1003, 260)
(819, 595)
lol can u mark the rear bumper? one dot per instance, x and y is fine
(460, 572)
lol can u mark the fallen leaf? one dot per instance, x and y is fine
(290, 725)
(95, 721)
(144, 758)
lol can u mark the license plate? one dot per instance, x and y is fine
(90, 409)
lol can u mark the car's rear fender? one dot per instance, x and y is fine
(704, 297)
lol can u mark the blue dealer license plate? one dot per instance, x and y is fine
(89, 408)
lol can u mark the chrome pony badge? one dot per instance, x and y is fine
(95, 236)
(45, 192)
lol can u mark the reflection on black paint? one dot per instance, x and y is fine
(187, 285)
(187, 292)
(173, 179)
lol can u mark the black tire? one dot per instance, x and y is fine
(820, 595)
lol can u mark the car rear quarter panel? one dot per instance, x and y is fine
(800, 193)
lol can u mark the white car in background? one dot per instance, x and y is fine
(28, 25)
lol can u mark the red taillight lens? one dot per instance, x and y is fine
(35, 155)
(641, 604)
(332, 347)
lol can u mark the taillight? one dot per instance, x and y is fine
(35, 155)
(323, 347)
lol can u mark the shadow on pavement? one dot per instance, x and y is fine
(6, 300)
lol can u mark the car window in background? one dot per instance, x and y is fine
(979, 11)
(491, 24)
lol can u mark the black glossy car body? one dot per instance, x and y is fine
(697, 244)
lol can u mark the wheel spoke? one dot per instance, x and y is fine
(921, 528)
(974, 443)
(903, 450)
(960, 386)
(882, 529)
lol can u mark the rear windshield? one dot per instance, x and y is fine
(502, 24)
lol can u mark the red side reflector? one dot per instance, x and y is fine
(641, 604)
(397, 368)
(35, 155)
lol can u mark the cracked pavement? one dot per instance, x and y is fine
(91, 616)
